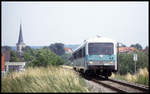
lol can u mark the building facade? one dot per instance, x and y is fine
(15, 66)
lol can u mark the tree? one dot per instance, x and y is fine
(137, 46)
(66, 59)
(27, 48)
(27, 56)
(123, 45)
(44, 57)
(13, 56)
(127, 63)
(57, 48)
(146, 50)
(6, 48)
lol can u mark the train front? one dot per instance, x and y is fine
(102, 57)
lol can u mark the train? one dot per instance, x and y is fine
(97, 55)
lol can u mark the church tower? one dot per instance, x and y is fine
(20, 43)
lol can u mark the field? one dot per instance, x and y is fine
(51, 79)
(141, 77)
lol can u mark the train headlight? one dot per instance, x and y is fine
(90, 62)
(111, 62)
(101, 56)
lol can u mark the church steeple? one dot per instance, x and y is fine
(20, 43)
(20, 40)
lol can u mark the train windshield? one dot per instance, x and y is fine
(100, 48)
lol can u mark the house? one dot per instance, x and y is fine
(15, 66)
(2, 65)
(127, 49)
(6, 65)
(68, 50)
(6, 54)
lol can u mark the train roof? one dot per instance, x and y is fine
(100, 39)
(95, 39)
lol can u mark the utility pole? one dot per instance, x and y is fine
(118, 61)
(135, 59)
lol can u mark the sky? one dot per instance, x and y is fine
(44, 23)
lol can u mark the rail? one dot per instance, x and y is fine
(118, 85)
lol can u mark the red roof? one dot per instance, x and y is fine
(2, 63)
(127, 49)
(68, 49)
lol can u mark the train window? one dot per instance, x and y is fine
(100, 48)
(83, 52)
(80, 52)
(75, 55)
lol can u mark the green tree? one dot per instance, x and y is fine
(6, 48)
(123, 45)
(13, 56)
(57, 48)
(66, 59)
(127, 63)
(146, 50)
(44, 57)
(28, 54)
(142, 60)
(137, 46)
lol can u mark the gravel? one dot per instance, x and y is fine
(95, 87)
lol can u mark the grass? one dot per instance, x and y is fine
(68, 67)
(51, 79)
(141, 77)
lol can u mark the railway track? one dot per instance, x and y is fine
(118, 85)
(136, 87)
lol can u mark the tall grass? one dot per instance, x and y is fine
(141, 77)
(51, 79)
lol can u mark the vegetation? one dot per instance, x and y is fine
(52, 55)
(122, 45)
(6, 48)
(50, 79)
(57, 48)
(13, 56)
(141, 77)
(127, 64)
(137, 46)
(146, 50)
(43, 57)
(66, 59)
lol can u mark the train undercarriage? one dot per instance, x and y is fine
(105, 71)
